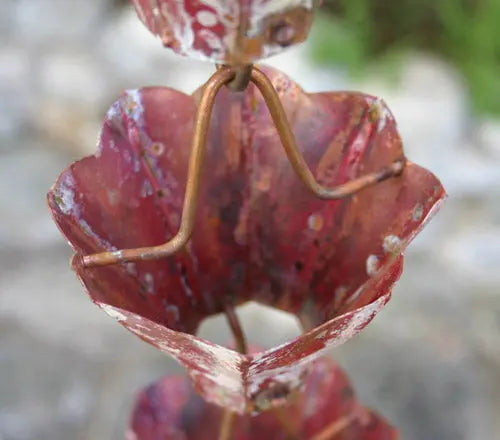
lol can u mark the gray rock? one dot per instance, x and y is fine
(73, 77)
(25, 176)
(488, 137)
(136, 58)
(16, 99)
(60, 23)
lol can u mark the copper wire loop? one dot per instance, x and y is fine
(224, 76)
(242, 76)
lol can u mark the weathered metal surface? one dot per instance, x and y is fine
(259, 234)
(227, 31)
(326, 408)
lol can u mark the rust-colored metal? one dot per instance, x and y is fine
(201, 125)
(236, 329)
(227, 424)
(297, 160)
(331, 431)
(242, 75)
(229, 417)
(288, 425)
(238, 78)
(228, 32)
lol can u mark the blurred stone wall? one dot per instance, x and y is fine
(430, 362)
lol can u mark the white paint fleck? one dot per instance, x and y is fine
(113, 113)
(113, 197)
(380, 111)
(354, 322)
(185, 284)
(212, 40)
(315, 222)
(418, 212)
(372, 265)
(321, 334)
(149, 283)
(113, 312)
(146, 189)
(66, 195)
(182, 28)
(226, 11)
(131, 268)
(392, 244)
(132, 104)
(137, 165)
(206, 18)
(262, 9)
(127, 155)
(171, 310)
(90, 232)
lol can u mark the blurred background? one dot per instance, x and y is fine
(430, 361)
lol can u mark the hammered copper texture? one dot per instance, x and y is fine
(259, 235)
(227, 31)
(169, 409)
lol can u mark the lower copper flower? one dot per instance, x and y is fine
(259, 235)
(327, 409)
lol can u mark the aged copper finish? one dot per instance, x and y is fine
(297, 160)
(288, 425)
(225, 76)
(236, 329)
(227, 424)
(241, 78)
(238, 33)
(201, 125)
(229, 417)
(334, 428)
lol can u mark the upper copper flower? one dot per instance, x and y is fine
(227, 31)
(260, 235)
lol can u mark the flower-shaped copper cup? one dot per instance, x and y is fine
(259, 234)
(326, 409)
(231, 32)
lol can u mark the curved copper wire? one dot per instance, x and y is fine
(297, 160)
(195, 168)
(224, 75)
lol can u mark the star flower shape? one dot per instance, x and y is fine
(259, 234)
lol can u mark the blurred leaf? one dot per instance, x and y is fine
(358, 34)
(335, 42)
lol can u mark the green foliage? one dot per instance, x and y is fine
(360, 34)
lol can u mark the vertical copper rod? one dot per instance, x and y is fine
(227, 425)
(236, 329)
(334, 428)
(196, 160)
(288, 425)
(228, 418)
